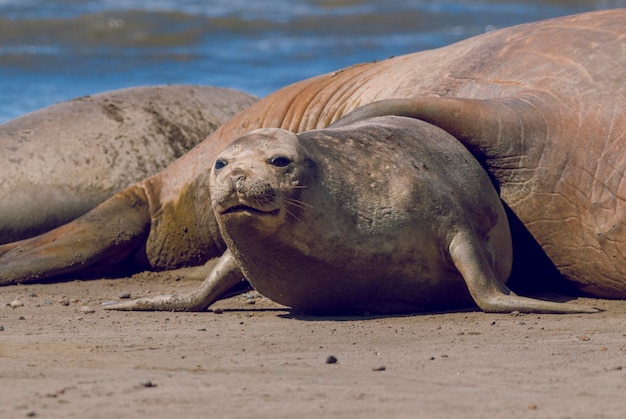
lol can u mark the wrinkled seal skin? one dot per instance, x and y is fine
(540, 105)
(59, 162)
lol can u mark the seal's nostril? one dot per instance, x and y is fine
(238, 180)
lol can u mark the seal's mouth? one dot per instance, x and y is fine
(238, 209)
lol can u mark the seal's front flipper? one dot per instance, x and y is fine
(490, 293)
(107, 235)
(224, 277)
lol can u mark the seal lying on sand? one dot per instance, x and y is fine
(59, 162)
(540, 105)
(386, 215)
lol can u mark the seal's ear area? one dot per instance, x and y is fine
(489, 127)
(302, 148)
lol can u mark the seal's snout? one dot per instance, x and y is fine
(247, 194)
(237, 181)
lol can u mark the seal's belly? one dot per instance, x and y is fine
(328, 290)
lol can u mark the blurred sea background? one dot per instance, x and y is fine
(55, 50)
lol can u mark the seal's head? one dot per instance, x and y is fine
(258, 179)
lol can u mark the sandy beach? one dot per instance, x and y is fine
(63, 356)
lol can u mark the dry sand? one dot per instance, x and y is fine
(63, 356)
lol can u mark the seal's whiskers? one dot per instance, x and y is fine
(206, 210)
(297, 203)
(293, 215)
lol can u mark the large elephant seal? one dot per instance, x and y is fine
(540, 105)
(59, 162)
(385, 215)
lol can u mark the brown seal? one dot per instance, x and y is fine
(61, 161)
(540, 105)
(385, 215)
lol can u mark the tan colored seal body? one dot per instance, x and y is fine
(359, 219)
(59, 162)
(540, 105)
(385, 215)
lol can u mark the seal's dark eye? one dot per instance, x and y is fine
(220, 164)
(279, 161)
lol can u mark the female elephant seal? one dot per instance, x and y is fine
(61, 161)
(385, 215)
(540, 105)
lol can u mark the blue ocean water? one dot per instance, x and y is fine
(55, 50)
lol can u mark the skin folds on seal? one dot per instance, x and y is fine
(385, 215)
(540, 105)
(59, 162)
